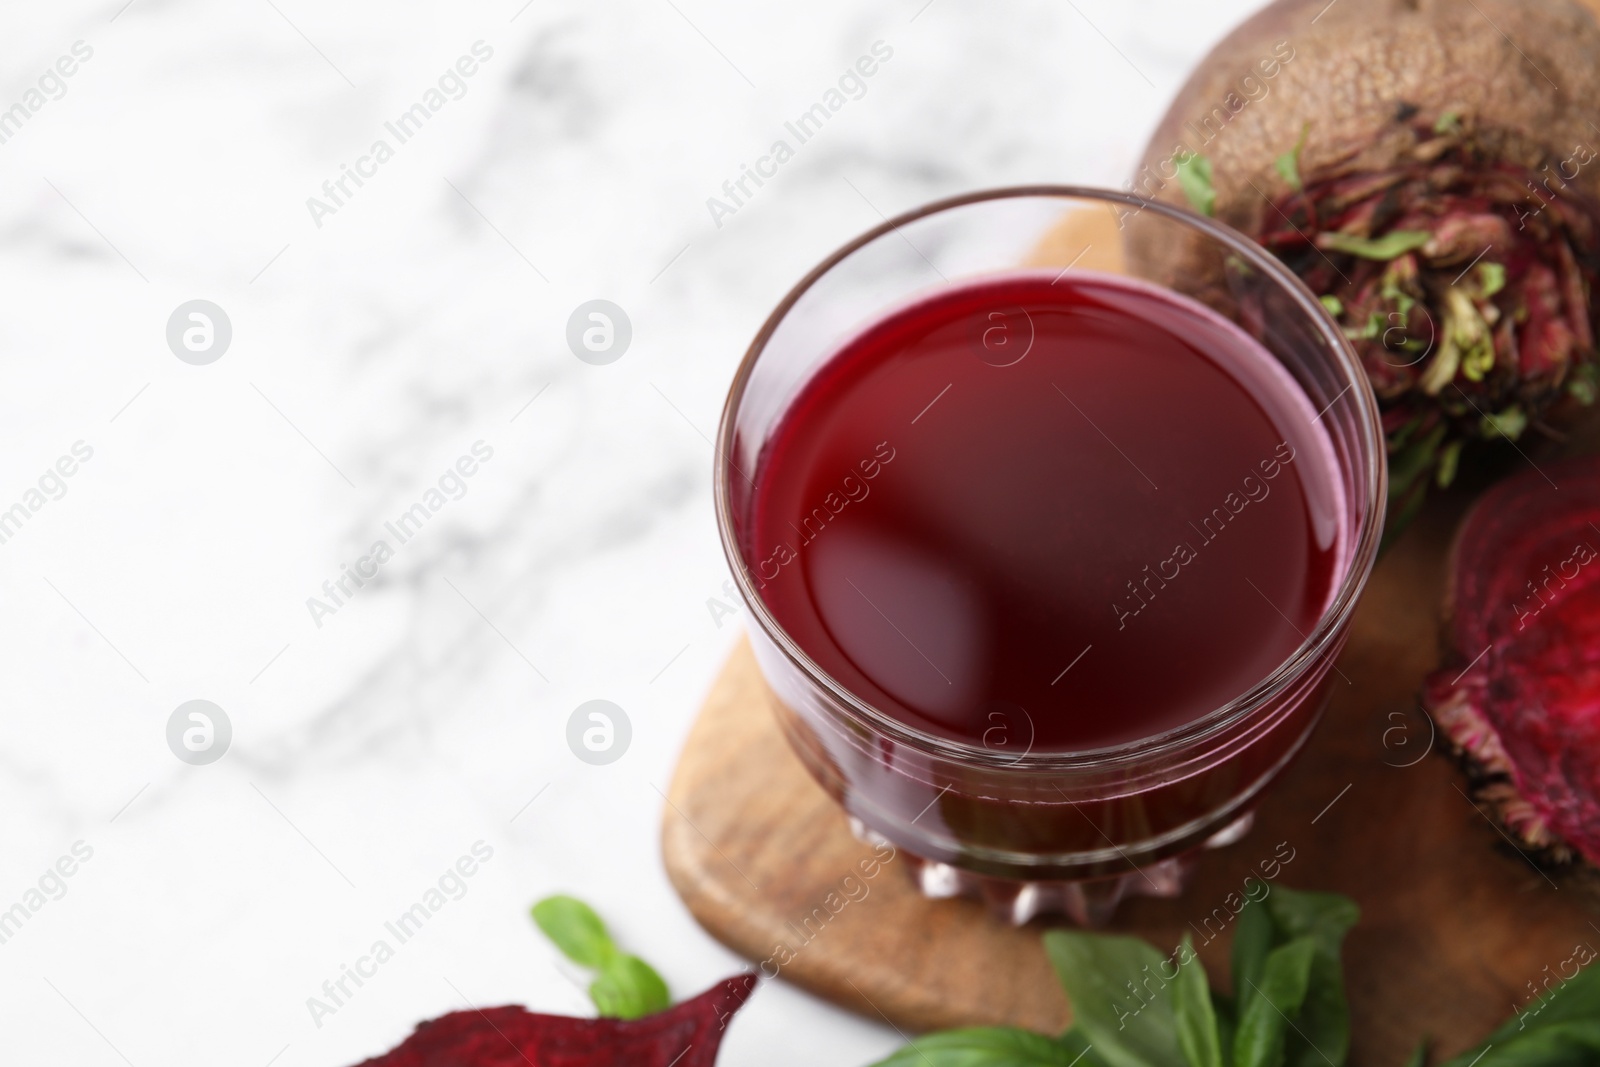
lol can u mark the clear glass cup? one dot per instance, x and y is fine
(1036, 833)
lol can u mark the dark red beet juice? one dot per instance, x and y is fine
(1078, 510)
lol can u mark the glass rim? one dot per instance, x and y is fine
(1330, 625)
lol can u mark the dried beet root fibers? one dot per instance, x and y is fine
(686, 1035)
(1518, 696)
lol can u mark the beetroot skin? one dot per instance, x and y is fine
(687, 1035)
(1519, 694)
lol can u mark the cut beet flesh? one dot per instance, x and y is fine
(683, 1036)
(1519, 693)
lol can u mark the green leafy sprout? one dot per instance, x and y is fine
(1390, 245)
(1194, 178)
(1288, 164)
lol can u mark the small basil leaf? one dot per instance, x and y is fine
(1321, 1035)
(1419, 1056)
(1323, 917)
(1198, 1036)
(1252, 940)
(1273, 1002)
(576, 930)
(1121, 1003)
(985, 1046)
(628, 988)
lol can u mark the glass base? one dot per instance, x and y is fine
(1089, 903)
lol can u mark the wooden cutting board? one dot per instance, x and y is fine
(1455, 922)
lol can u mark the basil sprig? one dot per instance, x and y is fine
(1134, 1006)
(625, 987)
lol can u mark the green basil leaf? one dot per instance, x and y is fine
(576, 930)
(1252, 940)
(1575, 1000)
(1082, 1052)
(1194, 178)
(984, 1046)
(1323, 917)
(1419, 1055)
(1198, 1036)
(1387, 247)
(1321, 1034)
(628, 988)
(1227, 1030)
(1273, 1002)
(1570, 1043)
(1121, 1003)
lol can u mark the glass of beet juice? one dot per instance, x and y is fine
(1049, 565)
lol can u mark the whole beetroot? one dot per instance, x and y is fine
(1430, 168)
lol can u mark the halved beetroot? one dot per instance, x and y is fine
(687, 1035)
(1519, 694)
(1429, 167)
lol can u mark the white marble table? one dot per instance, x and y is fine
(375, 339)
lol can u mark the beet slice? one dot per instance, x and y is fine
(1519, 694)
(687, 1035)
